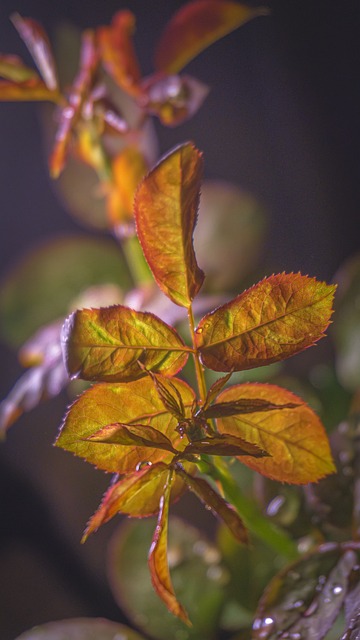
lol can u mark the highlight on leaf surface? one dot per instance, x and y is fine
(294, 437)
(129, 403)
(107, 344)
(275, 319)
(158, 556)
(197, 25)
(166, 205)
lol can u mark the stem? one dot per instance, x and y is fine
(136, 262)
(259, 525)
(199, 369)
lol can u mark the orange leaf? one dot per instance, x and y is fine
(129, 403)
(294, 437)
(137, 495)
(133, 435)
(158, 560)
(34, 89)
(128, 169)
(117, 51)
(39, 46)
(197, 25)
(116, 343)
(166, 205)
(278, 317)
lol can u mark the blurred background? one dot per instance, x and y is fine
(282, 123)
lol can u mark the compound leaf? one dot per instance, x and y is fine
(166, 205)
(129, 403)
(136, 495)
(158, 556)
(197, 25)
(278, 317)
(216, 503)
(108, 344)
(294, 437)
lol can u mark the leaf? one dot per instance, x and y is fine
(166, 206)
(278, 317)
(71, 112)
(293, 437)
(216, 503)
(39, 46)
(43, 285)
(12, 68)
(223, 445)
(108, 344)
(158, 557)
(215, 389)
(81, 629)
(198, 574)
(169, 396)
(174, 99)
(117, 51)
(306, 598)
(352, 607)
(106, 404)
(43, 381)
(197, 25)
(128, 169)
(139, 435)
(33, 89)
(243, 405)
(137, 495)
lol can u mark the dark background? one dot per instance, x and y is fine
(282, 121)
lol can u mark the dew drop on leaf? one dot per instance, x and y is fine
(141, 465)
(263, 627)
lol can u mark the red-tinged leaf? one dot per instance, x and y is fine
(169, 396)
(215, 389)
(39, 46)
(158, 556)
(110, 344)
(71, 113)
(117, 51)
(12, 68)
(197, 25)
(166, 205)
(174, 99)
(278, 317)
(128, 169)
(216, 503)
(243, 405)
(294, 437)
(224, 445)
(138, 435)
(128, 403)
(31, 90)
(137, 495)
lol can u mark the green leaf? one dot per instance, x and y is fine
(166, 206)
(198, 575)
(158, 557)
(39, 46)
(294, 436)
(134, 402)
(216, 503)
(137, 495)
(116, 344)
(197, 25)
(275, 319)
(306, 598)
(41, 287)
(81, 629)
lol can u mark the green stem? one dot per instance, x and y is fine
(199, 370)
(136, 262)
(259, 525)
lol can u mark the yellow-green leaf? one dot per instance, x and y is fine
(158, 557)
(129, 403)
(294, 437)
(107, 344)
(166, 206)
(137, 495)
(278, 317)
(197, 25)
(12, 68)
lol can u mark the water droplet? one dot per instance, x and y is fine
(295, 636)
(199, 330)
(263, 627)
(275, 505)
(290, 606)
(143, 464)
(337, 589)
